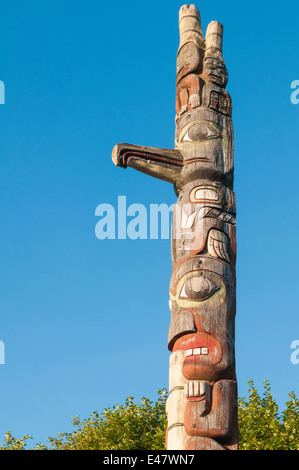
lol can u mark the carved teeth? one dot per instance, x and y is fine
(196, 388)
(197, 352)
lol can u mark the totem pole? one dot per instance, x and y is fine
(202, 403)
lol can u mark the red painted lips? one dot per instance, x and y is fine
(203, 351)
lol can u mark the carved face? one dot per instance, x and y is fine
(215, 71)
(203, 287)
(204, 138)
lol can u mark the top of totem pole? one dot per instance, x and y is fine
(190, 26)
(202, 402)
(203, 134)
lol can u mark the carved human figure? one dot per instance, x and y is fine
(202, 403)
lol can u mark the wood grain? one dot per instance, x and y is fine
(202, 403)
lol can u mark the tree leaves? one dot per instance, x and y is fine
(262, 426)
(133, 426)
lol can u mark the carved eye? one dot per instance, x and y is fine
(198, 288)
(199, 133)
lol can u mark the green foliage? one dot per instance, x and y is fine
(126, 427)
(142, 426)
(262, 426)
(13, 443)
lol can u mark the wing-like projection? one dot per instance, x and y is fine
(218, 245)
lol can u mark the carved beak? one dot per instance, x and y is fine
(164, 164)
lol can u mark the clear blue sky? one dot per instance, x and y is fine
(84, 321)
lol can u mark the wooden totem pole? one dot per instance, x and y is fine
(202, 402)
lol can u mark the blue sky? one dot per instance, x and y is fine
(84, 321)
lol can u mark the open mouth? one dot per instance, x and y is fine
(197, 344)
(197, 352)
(197, 390)
(201, 349)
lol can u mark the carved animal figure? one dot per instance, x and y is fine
(202, 403)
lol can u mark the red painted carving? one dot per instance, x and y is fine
(202, 403)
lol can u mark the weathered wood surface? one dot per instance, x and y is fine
(202, 403)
